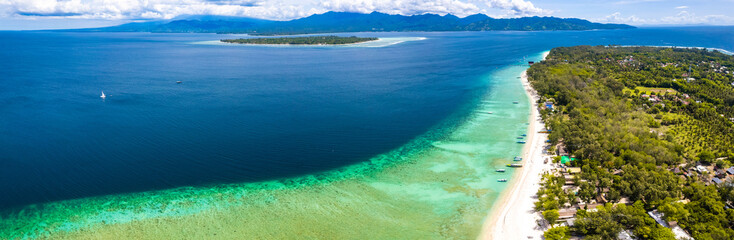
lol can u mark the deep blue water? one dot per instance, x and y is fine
(241, 113)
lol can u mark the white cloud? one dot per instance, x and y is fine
(681, 7)
(618, 18)
(404, 7)
(681, 18)
(685, 17)
(268, 9)
(636, 1)
(519, 7)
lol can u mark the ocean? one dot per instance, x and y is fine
(390, 136)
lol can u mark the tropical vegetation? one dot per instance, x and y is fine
(640, 121)
(310, 40)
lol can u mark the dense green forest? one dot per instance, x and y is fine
(638, 119)
(310, 40)
(331, 22)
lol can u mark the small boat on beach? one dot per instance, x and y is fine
(515, 165)
(521, 142)
(500, 170)
(490, 112)
(515, 102)
(517, 159)
(524, 135)
(502, 180)
(103, 96)
(519, 137)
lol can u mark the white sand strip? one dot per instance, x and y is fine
(513, 217)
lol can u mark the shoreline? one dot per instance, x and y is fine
(291, 44)
(380, 42)
(422, 186)
(513, 216)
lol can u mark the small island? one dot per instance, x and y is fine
(310, 40)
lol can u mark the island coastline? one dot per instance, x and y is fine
(512, 216)
(302, 41)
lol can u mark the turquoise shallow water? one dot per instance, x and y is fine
(391, 142)
(426, 185)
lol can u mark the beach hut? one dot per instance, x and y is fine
(549, 105)
(625, 235)
(730, 170)
(721, 173)
(717, 181)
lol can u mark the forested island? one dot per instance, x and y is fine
(309, 40)
(652, 134)
(331, 22)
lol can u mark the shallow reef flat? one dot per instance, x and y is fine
(440, 185)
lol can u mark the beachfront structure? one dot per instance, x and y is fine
(549, 105)
(730, 170)
(677, 230)
(561, 150)
(625, 235)
(721, 173)
(573, 170)
(717, 181)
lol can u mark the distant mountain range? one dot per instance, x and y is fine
(358, 22)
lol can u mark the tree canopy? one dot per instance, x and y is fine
(631, 115)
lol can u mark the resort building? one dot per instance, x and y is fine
(717, 180)
(677, 230)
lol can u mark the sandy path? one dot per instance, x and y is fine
(513, 217)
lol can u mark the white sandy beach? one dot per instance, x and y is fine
(380, 42)
(513, 217)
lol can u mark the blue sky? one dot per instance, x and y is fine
(48, 14)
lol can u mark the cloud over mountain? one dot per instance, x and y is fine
(267, 9)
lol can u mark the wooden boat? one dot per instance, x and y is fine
(500, 170)
(517, 159)
(515, 165)
(515, 102)
(521, 142)
(502, 180)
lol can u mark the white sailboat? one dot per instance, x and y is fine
(103, 96)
